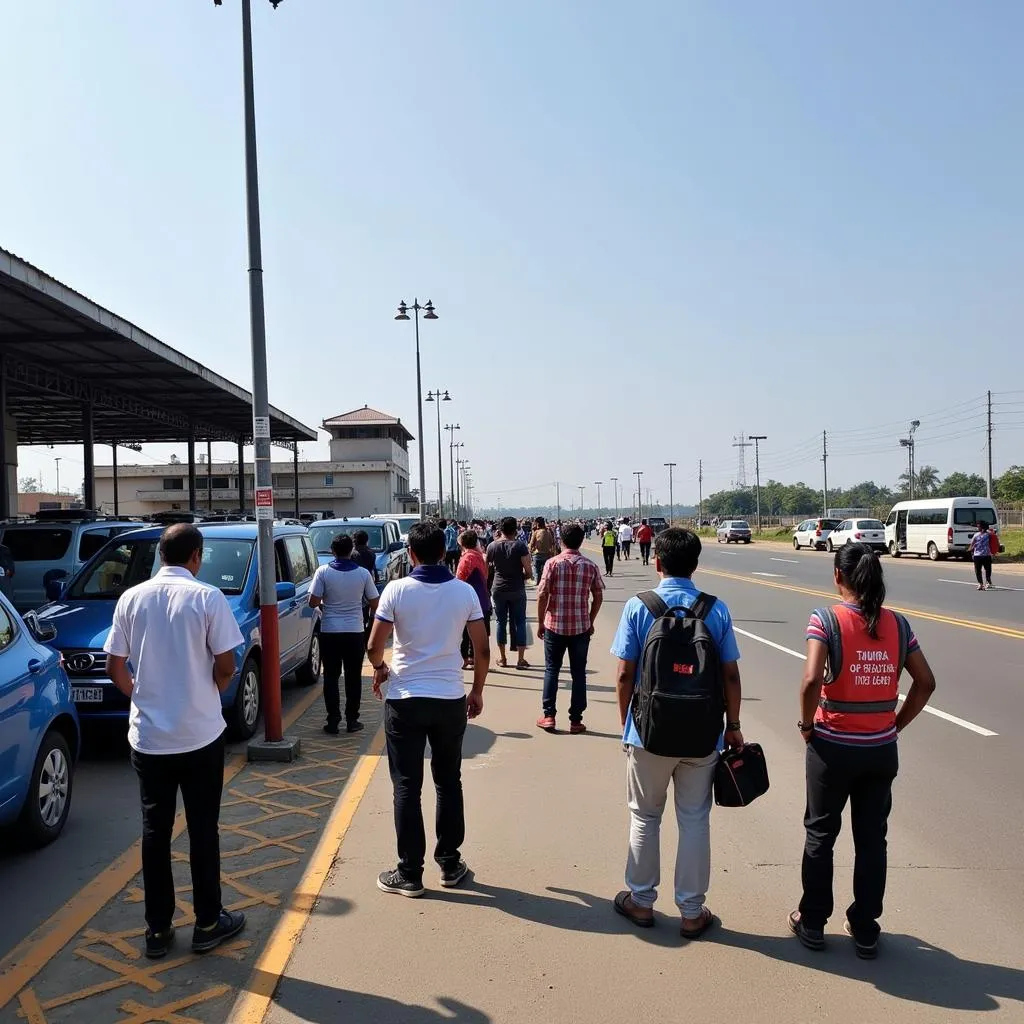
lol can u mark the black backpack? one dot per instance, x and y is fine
(679, 704)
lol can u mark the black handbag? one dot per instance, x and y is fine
(741, 776)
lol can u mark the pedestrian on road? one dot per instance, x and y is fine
(508, 562)
(180, 636)
(984, 544)
(625, 538)
(644, 536)
(568, 600)
(609, 545)
(340, 590)
(451, 544)
(362, 553)
(542, 546)
(676, 555)
(850, 723)
(425, 700)
(473, 570)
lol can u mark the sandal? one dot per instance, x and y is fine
(521, 665)
(706, 919)
(502, 663)
(625, 906)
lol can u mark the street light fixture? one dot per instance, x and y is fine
(436, 396)
(908, 443)
(428, 314)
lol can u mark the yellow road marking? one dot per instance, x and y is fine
(33, 953)
(1013, 634)
(252, 1005)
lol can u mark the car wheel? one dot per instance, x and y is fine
(245, 712)
(829, 547)
(746, 540)
(933, 551)
(894, 549)
(49, 791)
(309, 671)
(796, 544)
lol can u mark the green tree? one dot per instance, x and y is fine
(962, 485)
(28, 485)
(926, 480)
(1010, 486)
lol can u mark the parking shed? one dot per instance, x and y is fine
(72, 372)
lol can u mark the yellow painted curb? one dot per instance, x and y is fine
(252, 1004)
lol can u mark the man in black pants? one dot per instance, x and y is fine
(426, 700)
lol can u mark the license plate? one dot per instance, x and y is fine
(87, 694)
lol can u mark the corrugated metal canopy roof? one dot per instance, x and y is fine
(60, 350)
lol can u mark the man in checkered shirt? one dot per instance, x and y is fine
(568, 599)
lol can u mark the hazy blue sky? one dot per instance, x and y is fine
(646, 227)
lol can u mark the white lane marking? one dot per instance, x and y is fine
(792, 561)
(773, 575)
(963, 723)
(971, 583)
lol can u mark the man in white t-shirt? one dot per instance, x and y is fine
(426, 700)
(625, 538)
(171, 649)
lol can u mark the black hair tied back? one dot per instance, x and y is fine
(862, 572)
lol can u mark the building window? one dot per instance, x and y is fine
(220, 483)
(174, 483)
(328, 479)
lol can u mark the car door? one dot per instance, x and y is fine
(839, 535)
(301, 567)
(801, 534)
(17, 695)
(287, 609)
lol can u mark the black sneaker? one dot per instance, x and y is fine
(812, 938)
(451, 877)
(355, 727)
(230, 923)
(865, 950)
(158, 943)
(331, 728)
(394, 881)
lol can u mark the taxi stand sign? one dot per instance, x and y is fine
(264, 503)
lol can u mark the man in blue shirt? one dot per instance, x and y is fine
(451, 544)
(676, 553)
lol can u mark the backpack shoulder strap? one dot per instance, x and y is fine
(905, 633)
(701, 608)
(830, 621)
(653, 603)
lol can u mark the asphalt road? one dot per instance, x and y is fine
(532, 937)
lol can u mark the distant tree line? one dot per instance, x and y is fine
(779, 499)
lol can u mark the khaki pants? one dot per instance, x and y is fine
(647, 781)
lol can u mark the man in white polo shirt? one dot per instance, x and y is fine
(179, 636)
(426, 700)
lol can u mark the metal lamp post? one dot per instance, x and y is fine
(436, 396)
(757, 438)
(615, 488)
(671, 498)
(428, 314)
(597, 484)
(451, 428)
(638, 473)
(908, 443)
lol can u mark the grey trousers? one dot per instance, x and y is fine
(647, 780)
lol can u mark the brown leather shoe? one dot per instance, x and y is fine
(642, 917)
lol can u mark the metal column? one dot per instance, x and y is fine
(88, 458)
(209, 476)
(191, 470)
(5, 497)
(113, 452)
(295, 475)
(241, 475)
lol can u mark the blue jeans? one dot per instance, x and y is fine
(555, 647)
(511, 608)
(539, 561)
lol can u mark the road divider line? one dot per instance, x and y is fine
(973, 583)
(772, 575)
(252, 1004)
(944, 715)
(981, 627)
(792, 561)
(33, 953)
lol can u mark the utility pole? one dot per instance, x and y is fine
(639, 494)
(988, 482)
(558, 503)
(597, 484)
(615, 486)
(824, 463)
(581, 501)
(908, 443)
(700, 492)
(741, 474)
(756, 438)
(671, 500)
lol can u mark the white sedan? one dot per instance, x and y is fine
(858, 531)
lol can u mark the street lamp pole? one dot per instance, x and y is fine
(428, 314)
(451, 428)
(597, 484)
(436, 396)
(671, 500)
(57, 463)
(615, 488)
(908, 443)
(756, 438)
(639, 496)
(581, 500)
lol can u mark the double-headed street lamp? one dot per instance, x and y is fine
(436, 396)
(428, 314)
(908, 443)
(459, 490)
(451, 428)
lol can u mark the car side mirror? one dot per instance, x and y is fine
(395, 545)
(44, 632)
(285, 590)
(54, 583)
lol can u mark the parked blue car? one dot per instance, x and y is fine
(39, 735)
(389, 550)
(82, 610)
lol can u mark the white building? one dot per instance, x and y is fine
(368, 472)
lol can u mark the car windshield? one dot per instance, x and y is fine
(37, 544)
(961, 516)
(123, 566)
(740, 524)
(828, 524)
(321, 536)
(405, 523)
(869, 524)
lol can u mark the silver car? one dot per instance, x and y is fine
(737, 530)
(858, 531)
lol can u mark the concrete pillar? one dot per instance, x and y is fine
(113, 449)
(5, 495)
(295, 476)
(241, 475)
(191, 469)
(88, 457)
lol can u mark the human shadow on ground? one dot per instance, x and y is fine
(322, 1004)
(907, 968)
(479, 740)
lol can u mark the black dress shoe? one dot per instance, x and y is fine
(354, 727)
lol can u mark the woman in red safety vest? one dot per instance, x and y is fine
(850, 718)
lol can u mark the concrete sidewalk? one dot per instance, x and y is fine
(532, 936)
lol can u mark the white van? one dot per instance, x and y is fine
(937, 527)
